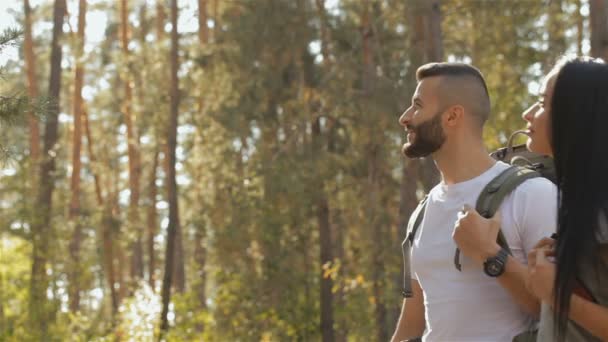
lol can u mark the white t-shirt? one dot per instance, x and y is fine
(469, 305)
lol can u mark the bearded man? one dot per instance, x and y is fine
(445, 121)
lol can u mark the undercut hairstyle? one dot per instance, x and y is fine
(462, 84)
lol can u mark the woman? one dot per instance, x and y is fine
(570, 123)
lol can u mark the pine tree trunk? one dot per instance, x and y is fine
(556, 31)
(173, 228)
(179, 260)
(32, 88)
(427, 46)
(152, 221)
(160, 20)
(203, 29)
(200, 252)
(74, 212)
(373, 190)
(39, 308)
(326, 236)
(216, 19)
(580, 20)
(598, 20)
(92, 158)
(107, 221)
(134, 224)
(325, 240)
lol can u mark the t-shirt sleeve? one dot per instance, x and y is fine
(535, 209)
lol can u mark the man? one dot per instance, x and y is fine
(445, 121)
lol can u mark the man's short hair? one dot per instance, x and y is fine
(474, 96)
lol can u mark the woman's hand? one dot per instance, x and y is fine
(541, 270)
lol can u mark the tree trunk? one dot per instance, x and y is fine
(579, 28)
(134, 223)
(152, 221)
(200, 252)
(598, 20)
(32, 87)
(179, 260)
(325, 38)
(203, 29)
(107, 221)
(41, 227)
(160, 20)
(326, 236)
(74, 212)
(426, 46)
(378, 268)
(556, 31)
(92, 158)
(173, 228)
(216, 19)
(325, 240)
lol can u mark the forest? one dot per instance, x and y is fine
(230, 170)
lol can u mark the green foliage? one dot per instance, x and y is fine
(14, 279)
(269, 129)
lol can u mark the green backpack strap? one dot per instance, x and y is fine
(494, 193)
(406, 246)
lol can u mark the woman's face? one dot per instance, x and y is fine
(537, 116)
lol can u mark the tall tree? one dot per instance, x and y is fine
(74, 211)
(580, 23)
(32, 86)
(369, 82)
(107, 221)
(427, 46)
(152, 220)
(173, 228)
(134, 223)
(40, 310)
(200, 251)
(160, 19)
(556, 31)
(322, 209)
(598, 20)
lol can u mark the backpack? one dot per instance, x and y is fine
(524, 165)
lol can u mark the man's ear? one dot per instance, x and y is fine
(454, 115)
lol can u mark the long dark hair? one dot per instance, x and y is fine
(579, 139)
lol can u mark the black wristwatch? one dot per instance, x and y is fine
(495, 266)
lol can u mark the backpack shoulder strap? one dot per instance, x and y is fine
(406, 247)
(494, 193)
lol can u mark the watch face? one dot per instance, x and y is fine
(493, 268)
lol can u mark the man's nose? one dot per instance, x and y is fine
(404, 119)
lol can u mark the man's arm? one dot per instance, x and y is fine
(411, 321)
(514, 281)
(476, 238)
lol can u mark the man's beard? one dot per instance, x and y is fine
(428, 138)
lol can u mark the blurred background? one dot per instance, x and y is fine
(230, 170)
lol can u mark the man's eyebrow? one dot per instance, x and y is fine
(417, 99)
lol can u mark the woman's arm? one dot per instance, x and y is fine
(591, 316)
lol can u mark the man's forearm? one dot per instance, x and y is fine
(411, 321)
(514, 281)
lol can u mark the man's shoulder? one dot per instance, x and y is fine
(538, 186)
